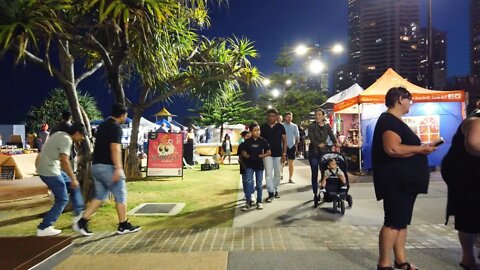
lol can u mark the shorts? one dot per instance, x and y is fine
(398, 209)
(291, 153)
(102, 180)
(227, 152)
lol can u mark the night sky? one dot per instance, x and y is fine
(271, 24)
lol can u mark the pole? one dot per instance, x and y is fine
(430, 47)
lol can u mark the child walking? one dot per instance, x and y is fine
(253, 152)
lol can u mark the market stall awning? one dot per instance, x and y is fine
(376, 92)
(350, 92)
(164, 112)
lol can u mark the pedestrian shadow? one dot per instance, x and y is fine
(21, 219)
(92, 239)
(228, 191)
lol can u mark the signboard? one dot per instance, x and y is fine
(7, 172)
(165, 154)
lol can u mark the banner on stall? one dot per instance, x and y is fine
(165, 154)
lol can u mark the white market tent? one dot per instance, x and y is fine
(351, 92)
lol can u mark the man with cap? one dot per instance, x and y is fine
(54, 158)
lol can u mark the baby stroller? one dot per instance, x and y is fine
(334, 193)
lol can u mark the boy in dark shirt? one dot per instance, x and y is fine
(253, 152)
(245, 136)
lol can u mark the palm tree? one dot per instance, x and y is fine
(33, 31)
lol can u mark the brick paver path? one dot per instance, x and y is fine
(261, 239)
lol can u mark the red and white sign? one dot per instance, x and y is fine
(165, 154)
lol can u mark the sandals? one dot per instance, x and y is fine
(402, 265)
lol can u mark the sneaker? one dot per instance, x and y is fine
(49, 231)
(291, 181)
(344, 187)
(322, 189)
(77, 217)
(81, 227)
(247, 207)
(127, 227)
(270, 198)
(259, 206)
(276, 195)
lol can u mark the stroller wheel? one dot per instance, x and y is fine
(342, 207)
(349, 200)
(334, 206)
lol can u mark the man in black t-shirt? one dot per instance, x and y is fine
(274, 133)
(107, 172)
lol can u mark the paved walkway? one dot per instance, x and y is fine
(288, 234)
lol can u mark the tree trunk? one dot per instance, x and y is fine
(132, 169)
(85, 155)
(116, 84)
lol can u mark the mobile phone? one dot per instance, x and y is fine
(438, 142)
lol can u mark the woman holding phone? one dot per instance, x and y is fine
(400, 172)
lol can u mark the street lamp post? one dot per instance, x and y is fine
(315, 65)
(430, 47)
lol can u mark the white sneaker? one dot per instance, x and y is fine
(259, 206)
(49, 231)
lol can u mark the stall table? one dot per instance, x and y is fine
(24, 164)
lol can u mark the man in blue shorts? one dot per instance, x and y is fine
(107, 172)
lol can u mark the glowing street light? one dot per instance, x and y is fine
(267, 82)
(288, 82)
(275, 93)
(316, 66)
(301, 50)
(338, 48)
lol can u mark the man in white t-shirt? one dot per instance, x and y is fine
(53, 166)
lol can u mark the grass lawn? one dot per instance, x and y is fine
(210, 198)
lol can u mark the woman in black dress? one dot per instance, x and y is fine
(400, 172)
(460, 172)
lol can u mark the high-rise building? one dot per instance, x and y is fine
(439, 57)
(475, 37)
(388, 38)
(383, 34)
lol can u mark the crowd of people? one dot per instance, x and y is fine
(399, 160)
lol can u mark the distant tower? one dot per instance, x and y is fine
(382, 34)
(439, 58)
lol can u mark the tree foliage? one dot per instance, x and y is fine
(51, 109)
(233, 111)
(284, 59)
(299, 102)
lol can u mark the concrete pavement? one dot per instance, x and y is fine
(287, 234)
